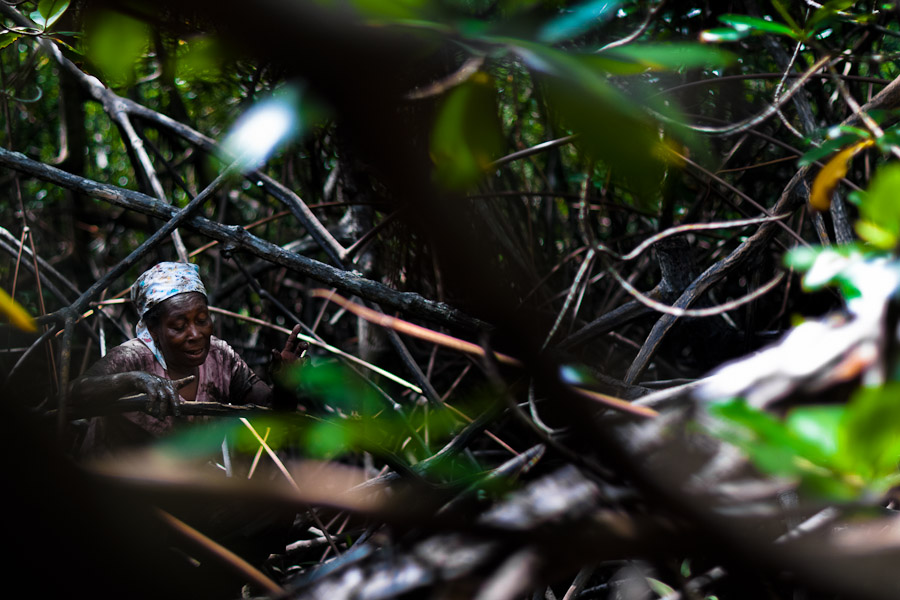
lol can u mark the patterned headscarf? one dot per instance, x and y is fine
(160, 283)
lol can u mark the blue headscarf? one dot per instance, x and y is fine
(158, 284)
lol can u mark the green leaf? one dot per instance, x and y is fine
(50, 11)
(803, 448)
(390, 11)
(660, 588)
(827, 148)
(765, 439)
(880, 209)
(115, 42)
(876, 235)
(613, 128)
(327, 439)
(578, 20)
(828, 10)
(467, 134)
(818, 426)
(8, 38)
(200, 59)
(67, 46)
(890, 138)
(802, 258)
(778, 5)
(336, 386)
(755, 24)
(722, 34)
(870, 432)
(671, 56)
(202, 441)
(858, 272)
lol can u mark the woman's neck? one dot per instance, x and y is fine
(176, 373)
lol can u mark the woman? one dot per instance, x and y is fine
(174, 341)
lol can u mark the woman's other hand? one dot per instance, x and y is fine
(294, 351)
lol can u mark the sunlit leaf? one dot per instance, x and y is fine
(833, 171)
(879, 209)
(827, 11)
(467, 135)
(67, 46)
(870, 435)
(49, 11)
(8, 38)
(671, 56)
(827, 265)
(264, 127)
(747, 23)
(14, 312)
(866, 279)
(723, 34)
(114, 44)
(577, 20)
(802, 258)
(661, 589)
(877, 235)
(817, 425)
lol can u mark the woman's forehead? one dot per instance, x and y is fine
(182, 304)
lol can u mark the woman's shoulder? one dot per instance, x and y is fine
(219, 346)
(221, 352)
(132, 355)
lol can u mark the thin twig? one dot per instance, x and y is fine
(755, 120)
(698, 312)
(222, 554)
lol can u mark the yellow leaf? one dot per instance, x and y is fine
(17, 315)
(833, 171)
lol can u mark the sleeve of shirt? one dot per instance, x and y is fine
(240, 377)
(130, 356)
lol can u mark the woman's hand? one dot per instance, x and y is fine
(162, 394)
(294, 352)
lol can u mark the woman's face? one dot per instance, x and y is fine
(183, 332)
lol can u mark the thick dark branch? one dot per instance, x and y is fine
(347, 282)
(138, 402)
(292, 201)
